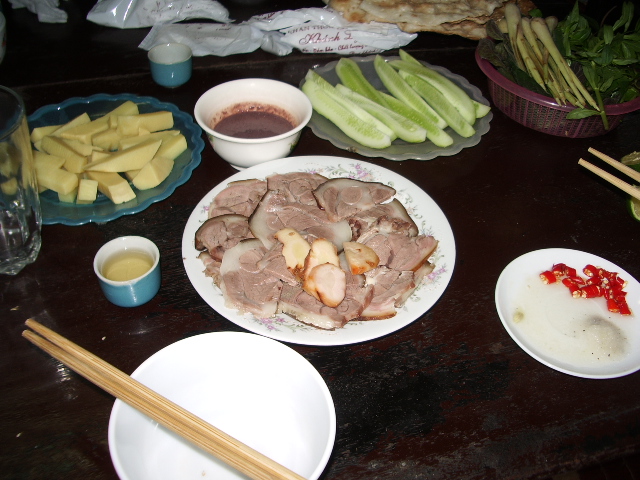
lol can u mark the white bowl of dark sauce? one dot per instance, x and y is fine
(253, 120)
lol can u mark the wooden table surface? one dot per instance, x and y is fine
(451, 396)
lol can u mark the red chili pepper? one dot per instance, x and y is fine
(574, 289)
(591, 291)
(570, 272)
(577, 280)
(599, 283)
(613, 306)
(593, 281)
(623, 307)
(590, 270)
(548, 277)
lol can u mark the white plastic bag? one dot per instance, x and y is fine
(147, 13)
(310, 30)
(46, 10)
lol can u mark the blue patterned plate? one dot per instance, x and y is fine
(103, 210)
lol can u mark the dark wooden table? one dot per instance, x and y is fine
(450, 396)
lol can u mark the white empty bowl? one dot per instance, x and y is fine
(255, 389)
(247, 152)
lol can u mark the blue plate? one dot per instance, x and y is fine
(103, 210)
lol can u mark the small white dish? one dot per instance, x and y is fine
(255, 389)
(242, 153)
(585, 340)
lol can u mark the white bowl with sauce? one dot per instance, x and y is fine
(260, 102)
(576, 336)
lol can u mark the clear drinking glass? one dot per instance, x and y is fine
(20, 216)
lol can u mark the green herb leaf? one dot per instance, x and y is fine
(578, 113)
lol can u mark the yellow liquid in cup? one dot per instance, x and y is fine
(127, 265)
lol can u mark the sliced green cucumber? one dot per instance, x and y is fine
(436, 134)
(399, 89)
(351, 76)
(440, 104)
(452, 92)
(481, 109)
(360, 112)
(404, 128)
(352, 126)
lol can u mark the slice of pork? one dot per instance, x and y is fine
(398, 250)
(298, 304)
(342, 198)
(296, 186)
(393, 211)
(275, 212)
(245, 286)
(391, 290)
(275, 264)
(211, 267)
(218, 234)
(239, 197)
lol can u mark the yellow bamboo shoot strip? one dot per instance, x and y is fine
(184, 423)
(613, 180)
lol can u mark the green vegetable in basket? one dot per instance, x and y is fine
(551, 57)
(609, 56)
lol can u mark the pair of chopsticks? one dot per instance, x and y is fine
(202, 434)
(634, 192)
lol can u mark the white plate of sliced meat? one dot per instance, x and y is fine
(319, 250)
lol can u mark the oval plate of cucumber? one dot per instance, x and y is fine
(399, 149)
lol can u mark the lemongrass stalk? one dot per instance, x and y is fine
(539, 27)
(552, 23)
(502, 25)
(512, 15)
(527, 59)
(531, 37)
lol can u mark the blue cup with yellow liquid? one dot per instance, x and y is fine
(170, 64)
(128, 269)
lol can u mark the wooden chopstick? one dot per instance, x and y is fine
(622, 185)
(616, 164)
(202, 434)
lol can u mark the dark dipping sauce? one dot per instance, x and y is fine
(254, 121)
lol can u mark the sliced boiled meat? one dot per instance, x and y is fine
(298, 304)
(398, 250)
(275, 264)
(218, 234)
(395, 213)
(275, 212)
(211, 267)
(239, 197)
(391, 290)
(342, 198)
(296, 186)
(244, 258)
(244, 285)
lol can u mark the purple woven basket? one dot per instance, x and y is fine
(542, 113)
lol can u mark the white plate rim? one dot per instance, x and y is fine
(219, 336)
(545, 258)
(427, 214)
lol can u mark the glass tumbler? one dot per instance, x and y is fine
(20, 216)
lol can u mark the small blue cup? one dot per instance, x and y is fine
(170, 64)
(135, 291)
